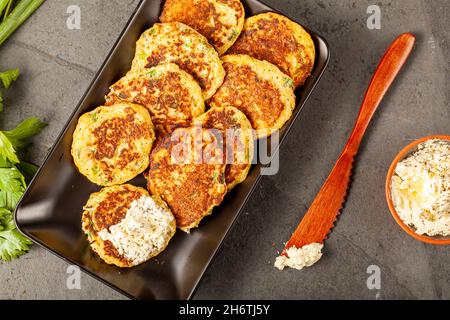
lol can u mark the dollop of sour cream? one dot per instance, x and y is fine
(420, 188)
(144, 231)
(299, 258)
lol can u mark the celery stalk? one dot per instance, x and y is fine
(8, 8)
(3, 4)
(23, 10)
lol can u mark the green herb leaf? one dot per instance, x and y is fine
(8, 77)
(8, 8)
(3, 5)
(5, 163)
(234, 34)
(12, 186)
(4, 219)
(9, 200)
(288, 82)
(153, 73)
(11, 180)
(14, 175)
(13, 244)
(7, 152)
(25, 130)
(28, 170)
(93, 116)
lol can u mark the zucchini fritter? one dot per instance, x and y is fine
(238, 135)
(125, 226)
(259, 89)
(177, 43)
(171, 95)
(278, 40)
(220, 21)
(187, 170)
(111, 145)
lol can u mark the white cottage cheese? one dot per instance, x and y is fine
(298, 258)
(143, 232)
(420, 189)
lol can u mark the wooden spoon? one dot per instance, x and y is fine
(319, 220)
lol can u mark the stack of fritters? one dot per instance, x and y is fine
(202, 52)
(220, 21)
(180, 44)
(272, 37)
(171, 95)
(260, 90)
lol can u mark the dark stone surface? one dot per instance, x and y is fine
(58, 65)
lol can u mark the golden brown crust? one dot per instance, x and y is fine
(103, 210)
(220, 21)
(171, 95)
(107, 208)
(278, 40)
(180, 44)
(109, 134)
(111, 144)
(265, 94)
(190, 184)
(111, 251)
(259, 89)
(238, 137)
(113, 209)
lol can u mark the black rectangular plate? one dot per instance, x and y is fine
(50, 211)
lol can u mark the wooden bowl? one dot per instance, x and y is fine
(441, 240)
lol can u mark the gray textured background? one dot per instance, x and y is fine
(58, 64)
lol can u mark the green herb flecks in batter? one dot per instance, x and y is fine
(187, 44)
(153, 73)
(93, 116)
(8, 77)
(95, 170)
(234, 34)
(151, 31)
(288, 82)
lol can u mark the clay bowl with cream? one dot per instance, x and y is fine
(405, 152)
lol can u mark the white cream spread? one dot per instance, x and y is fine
(420, 189)
(144, 231)
(298, 258)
